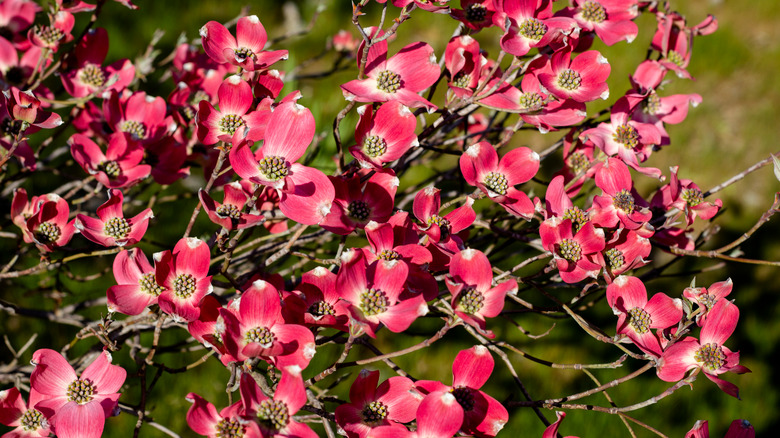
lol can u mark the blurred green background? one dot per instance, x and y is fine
(735, 126)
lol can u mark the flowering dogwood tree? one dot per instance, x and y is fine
(234, 219)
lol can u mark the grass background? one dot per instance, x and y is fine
(736, 125)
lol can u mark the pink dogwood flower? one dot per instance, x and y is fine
(481, 167)
(400, 78)
(685, 196)
(49, 227)
(620, 204)
(138, 114)
(708, 352)
(118, 167)
(383, 136)
(306, 194)
(706, 298)
(484, 416)
(78, 406)
(583, 79)
(628, 139)
(371, 294)
(273, 417)
(89, 76)
(609, 19)
(357, 203)
(235, 100)
(573, 252)
(245, 50)
(111, 228)
(530, 24)
(229, 213)
(58, 31)
(637, 316)
(319, 298)
(28, 421)
(257, 329)
(475, 14)
(370, 406)
(136, 287)
(203, 418)
(471, 284)
(184, 275)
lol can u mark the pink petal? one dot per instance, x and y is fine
(473, 268)
(677, 360)
(398, 394)
(128, 299)
(398, 318)
(235, 96)
(243, 161)
(311, 200)
(416, 64)
(664, 311)
(80, 421)
(519, 165)
(216, 38)
(291, 130)
(626, 292)
(251, 34)
(202, 417)
(479, 160)
(52, 374)
(472, 367)
(192, 256)
(107, 378)
(439, 415)
(261, 305)
(720, 324)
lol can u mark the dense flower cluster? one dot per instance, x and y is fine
(265, 323)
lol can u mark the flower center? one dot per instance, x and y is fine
(578, 162)
(373, 302)
(464, 397)
(652, 104)
(577, 216)
(273, 414)
(14, 127)
(675, 58)
(569, 80)
(476, 12)
(149, 285)
(388, 254)
(116, 227)
(442, 222)
(496, 182)
(533, 29)
(570, 250)
(32, 420)
(48, 232)
(374, 146)
(111, 168)
(530, 101)
(692, 197)
(624, 201)
(243, 53)
(261, 335)
(639, 320)
(358, 210)
(134, 128)
(230, 123)
(461, 80)
(229, 428)
(593, 12)
(711, 356)
(708, 300)
(374, 412)
(626, 135)
(184, 286)
(471, 301)
(49, 35)
(388, 81)
(615, 258)
(229, 211)
(93, 75)
(81, 391)
(273, 168)
(321, 308)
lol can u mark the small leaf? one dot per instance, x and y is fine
(777, 166)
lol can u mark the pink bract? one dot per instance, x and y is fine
(77, 405)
